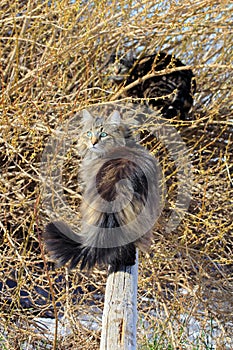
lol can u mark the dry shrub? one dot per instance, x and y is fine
(52, 65)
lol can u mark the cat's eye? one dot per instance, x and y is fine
(89, 134)
(103, 134)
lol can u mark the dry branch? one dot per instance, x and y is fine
(51, 60)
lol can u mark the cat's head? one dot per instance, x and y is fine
(101, 134)
(120, 66)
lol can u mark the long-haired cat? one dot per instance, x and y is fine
(121, 200)
(169, 92)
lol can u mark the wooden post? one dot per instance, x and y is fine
(120, 310)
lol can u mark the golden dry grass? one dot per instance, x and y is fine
(51, 66)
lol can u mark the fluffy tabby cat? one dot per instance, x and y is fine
(171, 93)
(120, 201)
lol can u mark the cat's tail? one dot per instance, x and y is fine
(62, 243)
(65, 246)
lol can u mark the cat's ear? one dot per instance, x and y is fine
(86, 117)
(115, 118)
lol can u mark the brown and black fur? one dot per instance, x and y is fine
(120, 202)
(171, 93)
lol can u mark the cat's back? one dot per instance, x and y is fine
(134, 164)
(121, 158)
(122, 192)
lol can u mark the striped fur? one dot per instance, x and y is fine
(170, 93)
(120, 202)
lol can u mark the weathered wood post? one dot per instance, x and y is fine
(120, 310)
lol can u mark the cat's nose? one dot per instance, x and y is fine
(94, 140)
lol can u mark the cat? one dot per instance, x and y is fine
(121, 199)
(169, 93)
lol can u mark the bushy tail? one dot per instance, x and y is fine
(61, 245)
(65, 246)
